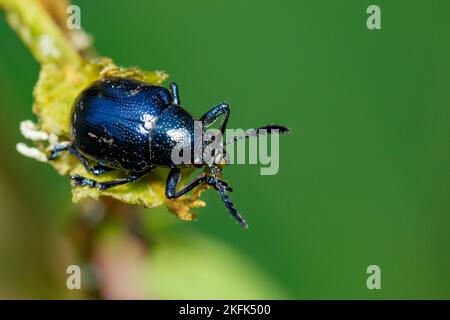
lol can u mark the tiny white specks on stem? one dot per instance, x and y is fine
(47, 47)
(80, 40)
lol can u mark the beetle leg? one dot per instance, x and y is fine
(212, 115)
(175, 94)
(174, 178)
(82, 181)
(58, 149)
(96, 170)
(99, 169)
(221, 186)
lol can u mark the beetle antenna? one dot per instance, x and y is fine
(231, 209)
(268, 129)
(222, 187)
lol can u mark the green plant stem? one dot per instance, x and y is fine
(39, 33)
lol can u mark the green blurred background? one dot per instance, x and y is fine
(364, 177)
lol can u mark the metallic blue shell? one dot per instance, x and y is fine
(113, 121)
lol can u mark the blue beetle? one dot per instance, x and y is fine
(125, 124)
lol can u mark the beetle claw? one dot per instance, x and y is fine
(82, 181)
